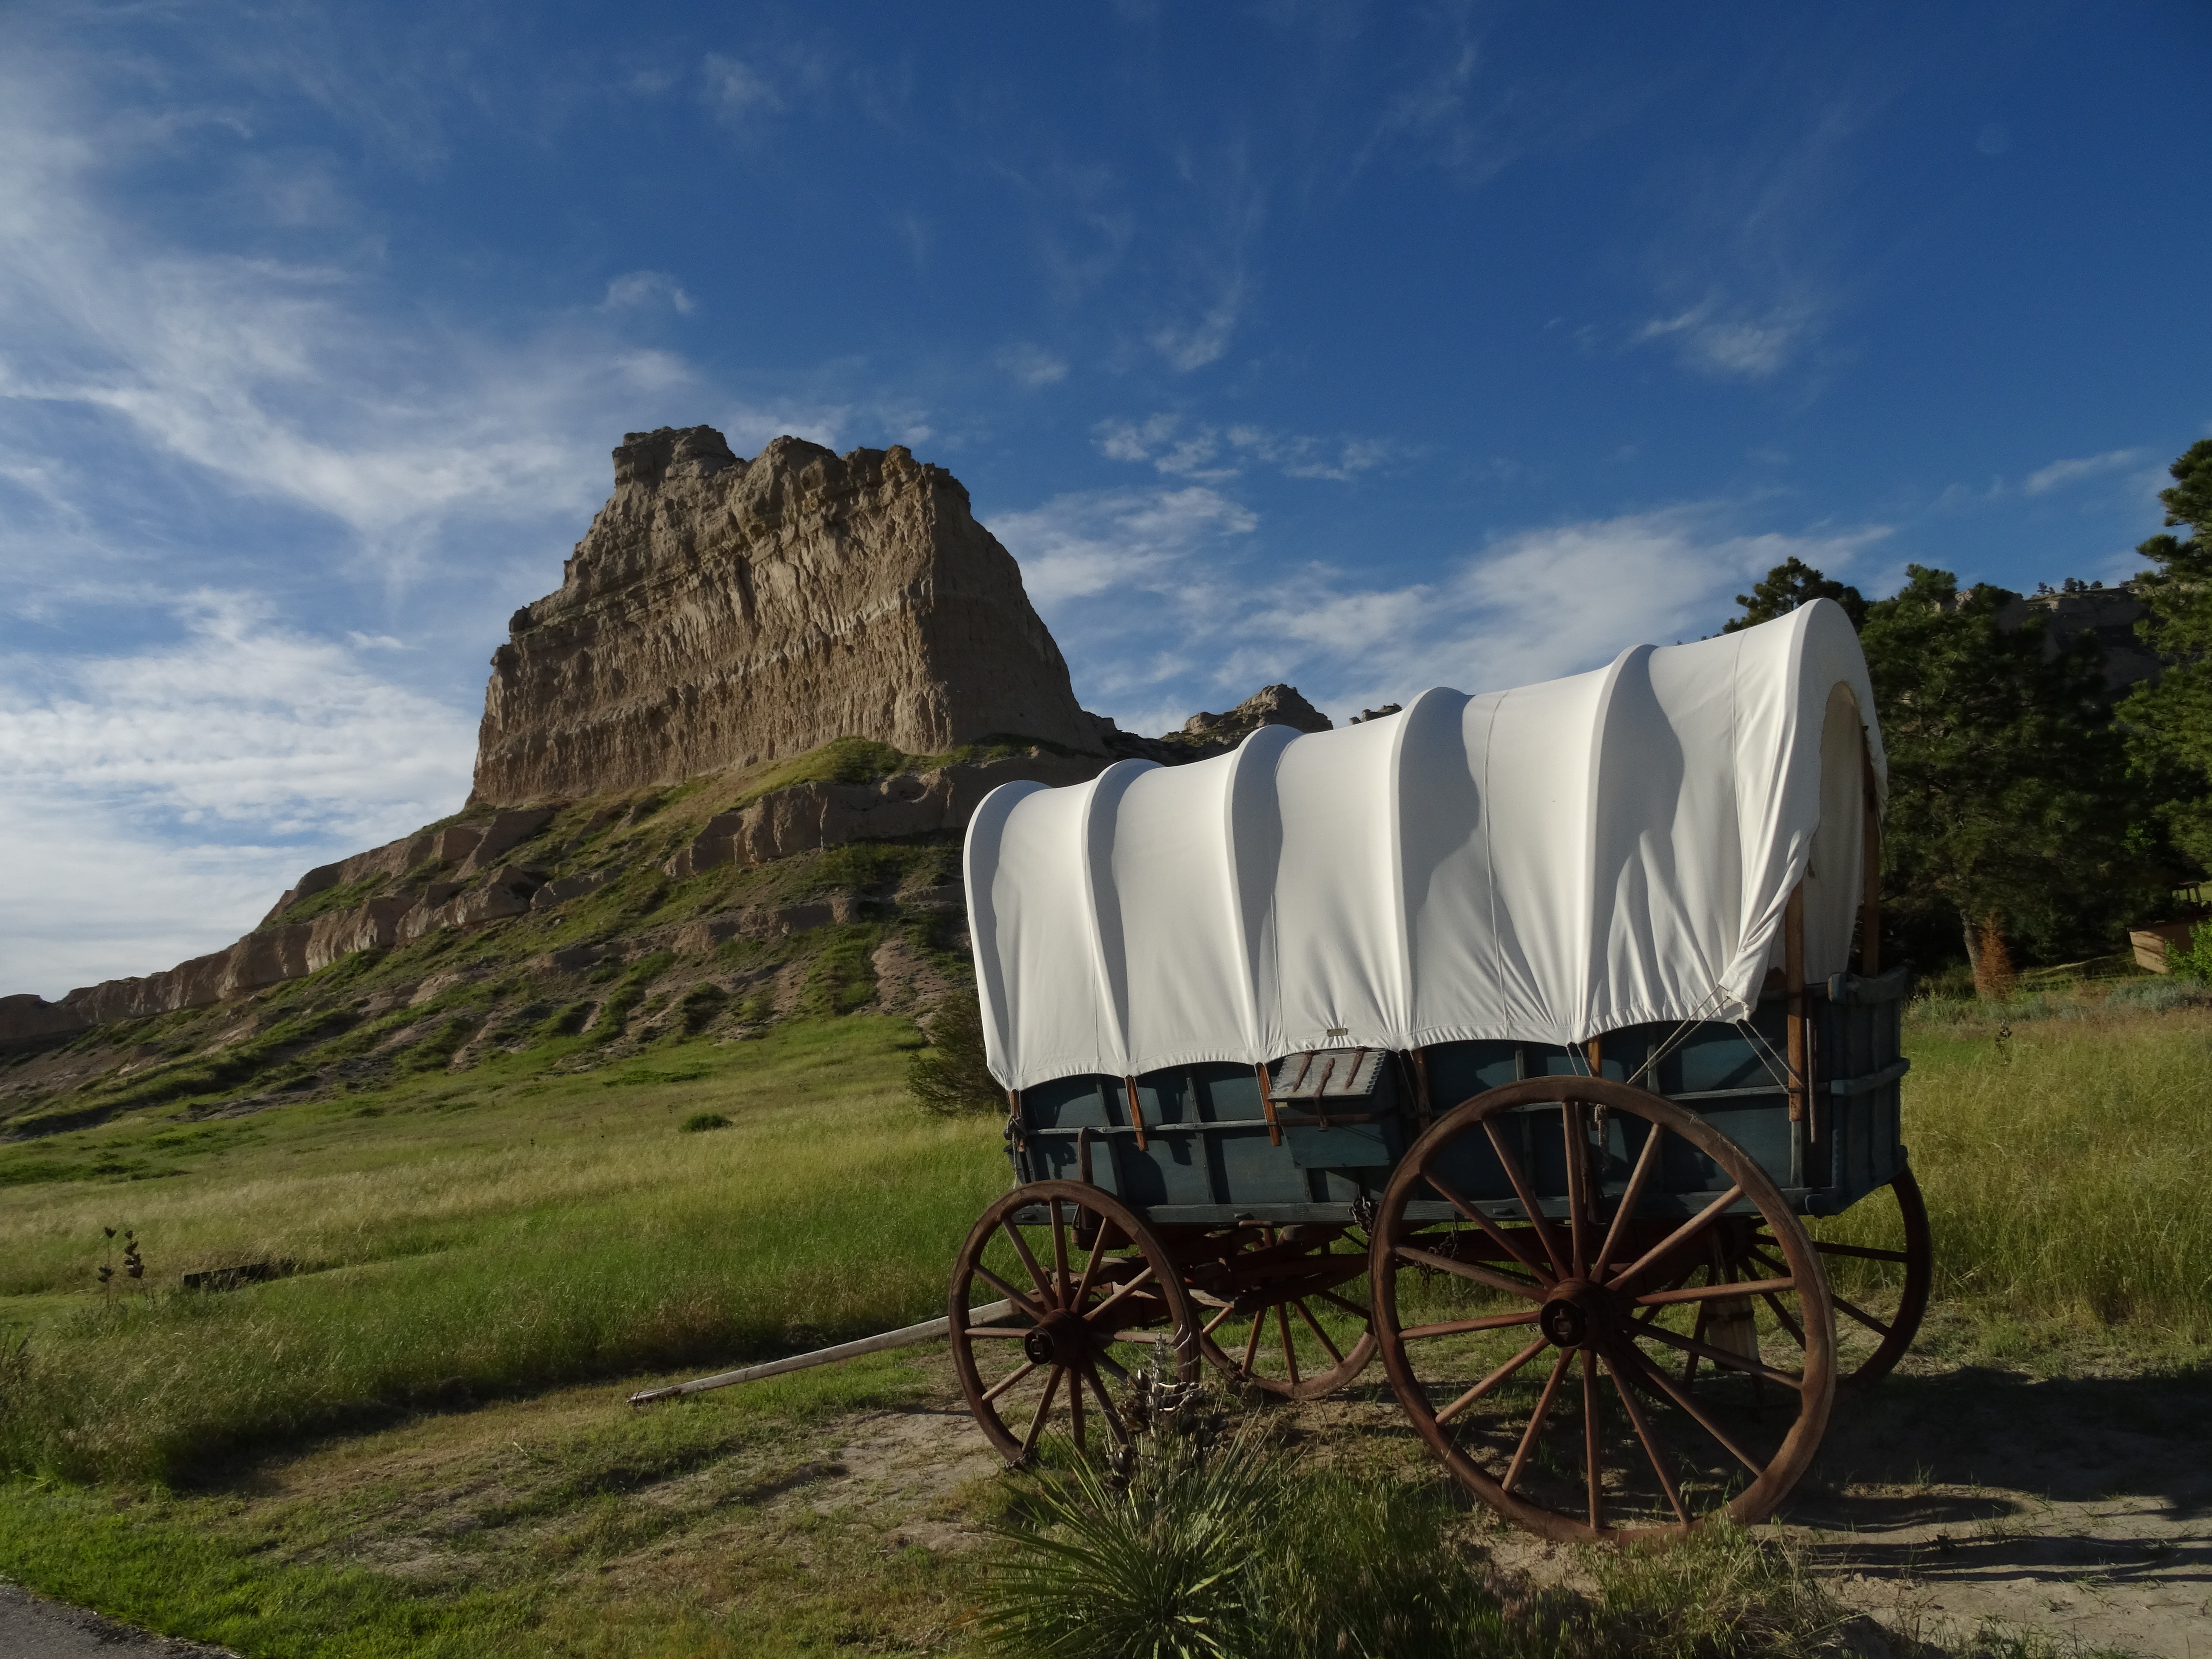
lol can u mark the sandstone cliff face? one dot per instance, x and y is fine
(720, 612)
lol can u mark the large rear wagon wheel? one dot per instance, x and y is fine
(1599, 1374)
(1094, 1293)
(1285, 1310)
(1884, 1293)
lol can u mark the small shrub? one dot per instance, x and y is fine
(1156, 1553)
(2194, 964)
(700, 1122)
(952, 1076)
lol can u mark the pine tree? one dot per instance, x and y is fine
(2169, 724)
(2009, 795)
(1788, 585)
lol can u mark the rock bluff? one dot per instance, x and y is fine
(720, 612)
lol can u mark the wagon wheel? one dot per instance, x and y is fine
(1285, 1310)
(1094, 1291)
(1878, 1318)
(1568, 1369)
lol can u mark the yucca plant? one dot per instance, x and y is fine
(1154, 1554)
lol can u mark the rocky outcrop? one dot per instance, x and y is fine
(719, 612)
(1205, 736)
(816, 815)
(463, 849)
(2109, 613)
(32, 1021)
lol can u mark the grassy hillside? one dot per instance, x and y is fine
(412, 1441)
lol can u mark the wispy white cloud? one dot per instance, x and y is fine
(1164, 603)
(2059, 474)
(1079, 545)
(736, 91)
(1721, 340)
(639, 288)
(158, 800)
(1031, 365)
(1209, 454)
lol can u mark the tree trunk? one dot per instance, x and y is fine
(1973, 942)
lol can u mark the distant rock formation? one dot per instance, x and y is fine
(1204, 736)
(2110, 613)
(719, 612)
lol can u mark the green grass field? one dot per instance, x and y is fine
(477, 1256)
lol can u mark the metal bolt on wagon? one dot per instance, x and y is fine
(1511, 1038)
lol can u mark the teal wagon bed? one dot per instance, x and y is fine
(1512, 1041)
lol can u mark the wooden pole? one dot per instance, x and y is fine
(1793, 982)
(904, 1338)
(1871, 883)
(1136, 1112)
(1268, 1106)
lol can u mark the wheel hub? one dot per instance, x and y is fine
(1062, 1339)
(1577, 1315)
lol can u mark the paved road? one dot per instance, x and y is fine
(31, 1628)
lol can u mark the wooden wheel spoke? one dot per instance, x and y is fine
(1009, 1380)
(1593, 1450)
(1467, 1270)
(1503, 1240)
(1535, 1429)
(1114, 1423)
(1290, 1354)
(1782, 1315)
(1364, 1314)
(1113, 1301)
(1646, 1161)
(1217, 1322)
(1859, 1314)
(1651, 1446)
(1320, 1335)
(1098, 1248)
(1575, 1141)
(1047, 1288)
(1044, 1406)
(1252, 1342)
(1863, 1252)
(1721, 1357)
(1060, 1276)
(1492, 1381)
(1458, 1327)
(1681, 1235)
(1022, 1299)
(1527, 1194)
(1711, 1293)
(1652, 1374)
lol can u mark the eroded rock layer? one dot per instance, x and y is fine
(720, 612)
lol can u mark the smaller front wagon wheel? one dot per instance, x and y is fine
(1090, 1293)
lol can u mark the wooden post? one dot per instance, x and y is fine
(1597, 1056)
(1136, 1112)
(1268, 1106)
(1870, 884)
(1420, 1086)
(1793, 982)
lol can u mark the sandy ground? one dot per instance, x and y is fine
(2079, 1505)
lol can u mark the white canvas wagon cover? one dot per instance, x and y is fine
(1543, 864)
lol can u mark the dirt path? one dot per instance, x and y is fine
(31, 1628)
(2081, 1506)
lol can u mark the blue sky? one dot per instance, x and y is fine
(1368, 347)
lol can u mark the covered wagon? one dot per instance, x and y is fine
(1512, 1038)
